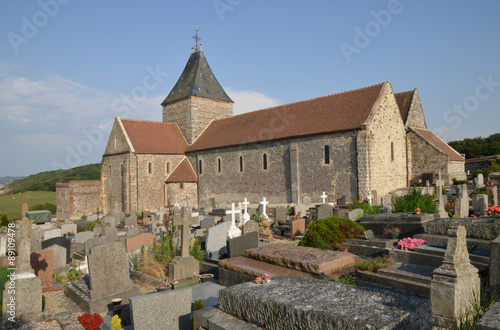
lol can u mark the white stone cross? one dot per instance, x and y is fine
(370, 196)
(264, 207)
(233, 230)
(246, 216)
(324, 196)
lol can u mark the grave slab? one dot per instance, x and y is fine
(136, 242)
(237, 246)
(303, 303)
(310, 260)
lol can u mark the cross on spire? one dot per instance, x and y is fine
(196, 38)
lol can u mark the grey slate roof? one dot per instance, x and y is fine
(197, 79)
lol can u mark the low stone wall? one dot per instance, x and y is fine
(487, 228)
(410, 224)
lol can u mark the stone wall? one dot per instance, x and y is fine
(425, 158)
(193, 114)
(77, 198)
(456, 169)
(416, 117)
(275, 182)
(177, 193)
(381, 150)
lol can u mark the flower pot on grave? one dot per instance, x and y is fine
(164, 287)
(207, 278)
(116, 301)
(394, 236)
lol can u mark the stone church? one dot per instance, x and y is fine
(356, 144)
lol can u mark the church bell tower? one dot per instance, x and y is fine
(197, 98)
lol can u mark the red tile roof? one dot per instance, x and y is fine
(182, 173)
(440, 144)
(153, 137)
(404, 100)
(332, 113)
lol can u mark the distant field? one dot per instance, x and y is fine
(12, 204)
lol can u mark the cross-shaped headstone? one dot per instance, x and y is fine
(185, 220)
(23, 246)
(324, 196)
(233, 230)
(264, 207)
(427, 187)
(246, 216)
(439, 187)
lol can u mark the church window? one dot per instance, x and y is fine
(150, 168)
(241, 163)
(219, 165)
(200, 166)
(327, 154)
(168, 167)
(121, 169)
(392, 151)
(264, 162)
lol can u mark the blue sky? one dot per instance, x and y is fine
(67, 67)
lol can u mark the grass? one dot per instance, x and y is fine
(480, 306)
(372, 264)
(11, 205)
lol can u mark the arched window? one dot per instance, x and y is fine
(241, 163)
(121, 169)
(264, 162)
(150, 168)
(392, 151)
(168, 167)
(219, 165)
(200, 166)
(327, 154)
(110, 170)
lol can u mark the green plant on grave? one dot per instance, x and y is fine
(60, 278)
(345, 279)
(116, 323)
(73, 273)
(366, 207)
(326, 233)
(373, 263)
(457, 182)
(414, 200)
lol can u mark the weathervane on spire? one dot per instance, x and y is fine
(195, 37)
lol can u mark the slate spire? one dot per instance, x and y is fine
(197, 79)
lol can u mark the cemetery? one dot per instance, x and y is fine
(311, 265)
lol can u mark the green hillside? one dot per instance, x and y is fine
(46, 181)
(11, 205)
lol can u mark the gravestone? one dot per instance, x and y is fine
(387, 200)
(52, 233)
(495, 263)
(119, 216)
(131, 220)
(306, 201)
(233, 230)
(164, 310)
(387, 209)
(97, 231)
(481, 204)
(281, 213)
(60, 241)
(341, 200)
(136, 242)
(324, 211)
(108, 221)
(300, 210)
(297, 227)
(494, 194)
(440, 211)
(207, 222)
(237, 246)
(374, 197)
(83, 236)
(24, 209)
(42, 264)
(93, 243)
(22, 296)
(39, 217)
(250, 227)
(222, 205)
(479, 181)
(36, 239)
(68, 229)
(462, 202)
(263, 207)
(184, 266)
(146, 214)
(245, 217)
(59, 261)
(217, 235)
(455, 285)
(369, 234)
(133, 232)
(111, 233)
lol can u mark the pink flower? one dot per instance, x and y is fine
(258, 280)
(409, 244)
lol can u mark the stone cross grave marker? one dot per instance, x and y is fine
(185, 220)
(369, 196)
(440, 211)
(264, 207)
(233, 230)
(324, 196)
(462, 202)
(427, 188)
(23, 247)
(245, 216)
(24, 210)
